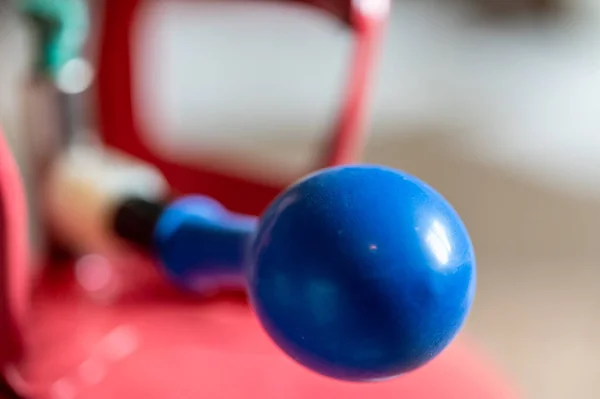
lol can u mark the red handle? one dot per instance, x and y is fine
(14, 267)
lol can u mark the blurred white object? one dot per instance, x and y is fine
(76, 76)
(84, 186)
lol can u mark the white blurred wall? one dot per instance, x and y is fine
(523, 97)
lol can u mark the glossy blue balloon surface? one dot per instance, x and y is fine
(201, 246)
(361, 273)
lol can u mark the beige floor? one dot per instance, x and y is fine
(536, 309)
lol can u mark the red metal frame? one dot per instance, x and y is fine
(118, 120)
(14, 278)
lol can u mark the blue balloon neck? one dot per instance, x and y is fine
(201, 245)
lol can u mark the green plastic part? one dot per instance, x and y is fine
(62, 26)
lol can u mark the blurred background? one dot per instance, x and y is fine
(496, 104)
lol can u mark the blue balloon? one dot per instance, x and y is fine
(361, 273)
